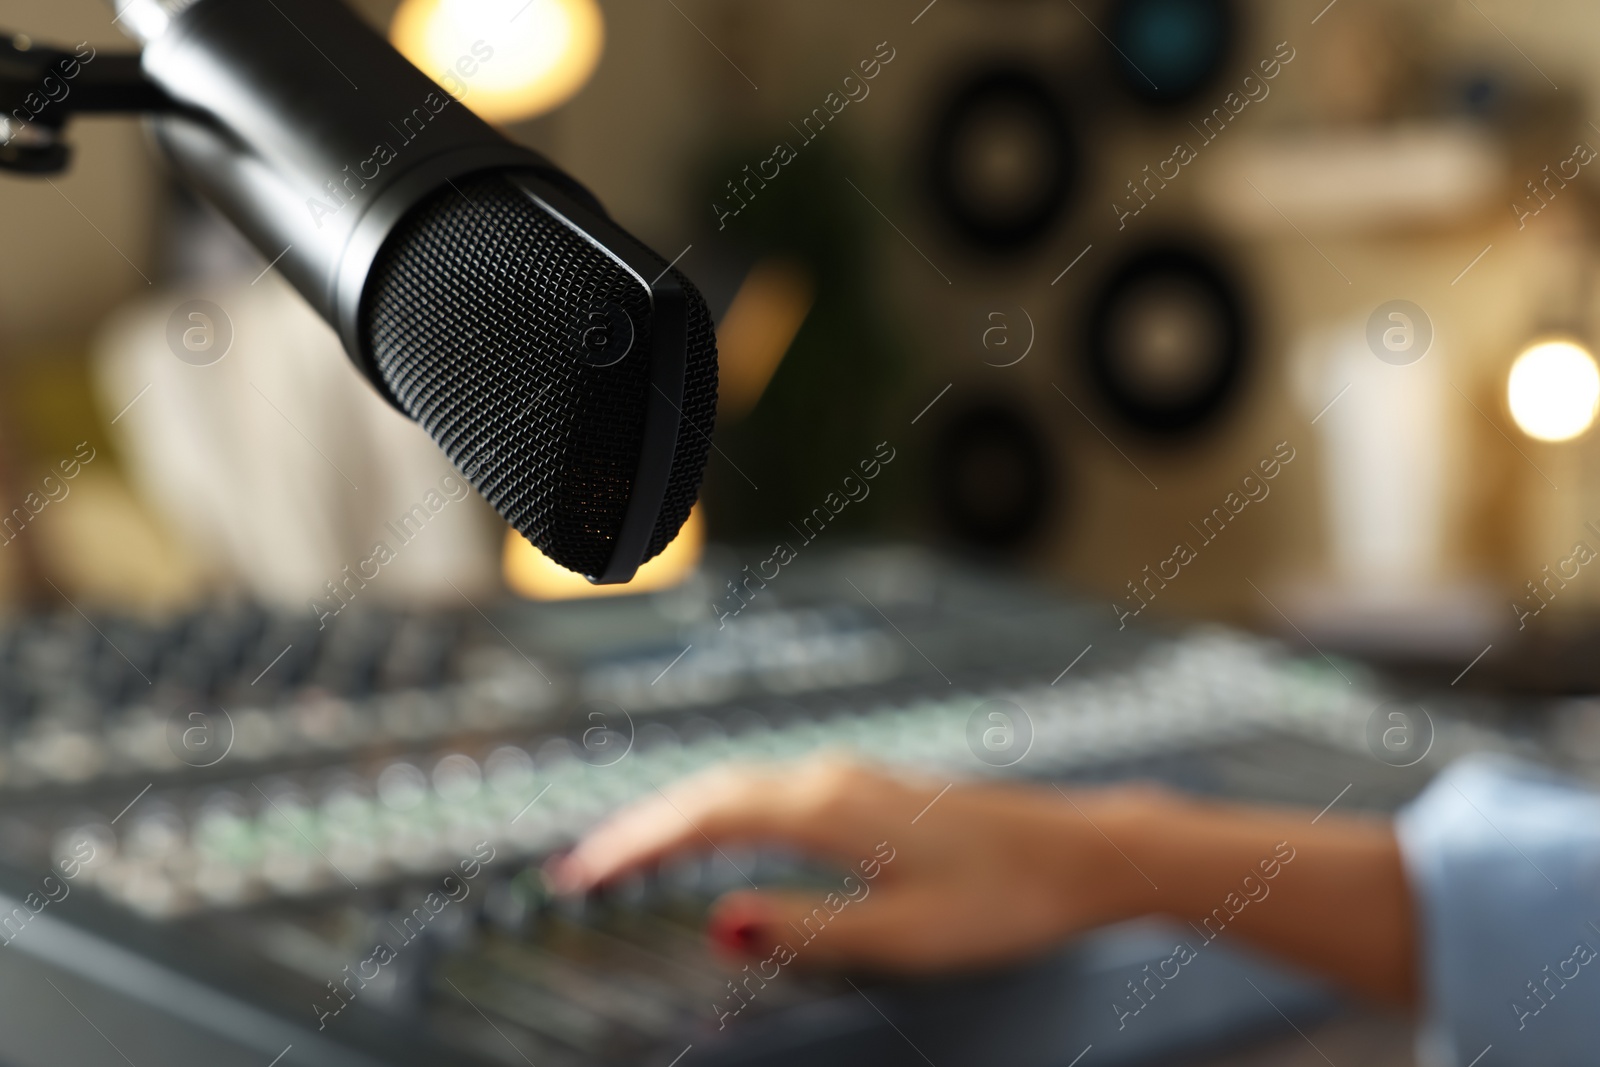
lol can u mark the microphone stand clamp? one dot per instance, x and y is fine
(41, 87)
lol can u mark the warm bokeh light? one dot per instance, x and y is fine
(507, 60)
(1554, 390)
(757, 330)
(530, 573)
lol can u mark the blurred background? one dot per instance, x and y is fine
(1082, 267)
(1151, 314)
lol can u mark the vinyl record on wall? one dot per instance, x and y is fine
(994, 483)
(1169, 51)
(1168, 340)
(1003, 161)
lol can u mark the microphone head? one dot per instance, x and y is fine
(568, 372)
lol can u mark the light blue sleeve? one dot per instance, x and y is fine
(1504, 864)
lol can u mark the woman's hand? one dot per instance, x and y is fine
(945, 876)
(941, 876)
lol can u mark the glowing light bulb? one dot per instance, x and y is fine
(507, 60)
(532, 574)
(1554, 390)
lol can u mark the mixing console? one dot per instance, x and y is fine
(244, 796)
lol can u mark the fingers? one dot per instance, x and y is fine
(901, 927)
(859, 925)
(827, 808)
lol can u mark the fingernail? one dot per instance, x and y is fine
(735, 935)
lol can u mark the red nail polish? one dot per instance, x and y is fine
(734, 935)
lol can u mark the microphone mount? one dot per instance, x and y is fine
(41, 87)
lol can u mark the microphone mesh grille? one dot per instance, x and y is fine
(476, 317)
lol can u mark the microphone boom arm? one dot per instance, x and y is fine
(41, 87)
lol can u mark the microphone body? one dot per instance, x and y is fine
(567, 371)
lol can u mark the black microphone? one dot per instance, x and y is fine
(566, 370)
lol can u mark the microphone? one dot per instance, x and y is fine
(568, 371)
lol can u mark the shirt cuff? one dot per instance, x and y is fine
(1503, 859)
